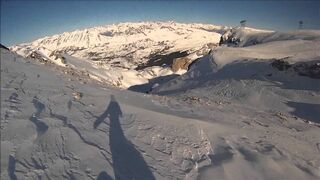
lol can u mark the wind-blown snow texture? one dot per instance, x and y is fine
(238, 113)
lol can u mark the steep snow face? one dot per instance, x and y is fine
(68, 126)
(126, 54)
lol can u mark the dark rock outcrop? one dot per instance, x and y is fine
(36, 55)
(161, 59)
(310, 69)
(281, 65)
(4, 47)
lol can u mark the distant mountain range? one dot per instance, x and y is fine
(134, 47)
(127, 44)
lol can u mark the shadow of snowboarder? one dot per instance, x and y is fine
(128, 163)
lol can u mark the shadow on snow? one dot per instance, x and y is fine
(128, 163)
(147, 87)
(306, 111)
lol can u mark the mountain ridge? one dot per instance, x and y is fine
(127, 47)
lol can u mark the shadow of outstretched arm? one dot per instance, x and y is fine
(100, 119)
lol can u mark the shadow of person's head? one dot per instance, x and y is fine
(104, 176)
(112, 98)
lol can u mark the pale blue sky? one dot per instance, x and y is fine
(23, 21)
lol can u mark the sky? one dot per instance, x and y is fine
(28, 20)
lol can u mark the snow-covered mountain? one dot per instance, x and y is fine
(127, 53)
(239, 113)
(229, 103)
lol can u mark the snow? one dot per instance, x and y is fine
(248, 36)
(57, 138)
(123, 46)
(221, 59)
(231, 116)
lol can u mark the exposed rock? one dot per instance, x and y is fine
(192, 99)
(281, 65)
(4, 47)
(57, 55)
(77, 95)
(36, 55)
(63, 60)
(180, 63)
(205, 49)
(221, 41)
(230, 38)
(159, 59)
(310, 69)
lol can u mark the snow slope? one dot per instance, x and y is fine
(249, 77)
(69, 126)
(49, 133)
(294, 48)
